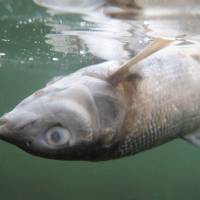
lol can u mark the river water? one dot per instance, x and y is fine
(38, 42)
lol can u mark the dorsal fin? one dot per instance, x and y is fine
(153, 47)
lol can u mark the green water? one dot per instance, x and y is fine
(28, 59)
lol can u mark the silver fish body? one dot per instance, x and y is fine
(83, 116)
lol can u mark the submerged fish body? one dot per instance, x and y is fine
(166, 102)
(88, 116)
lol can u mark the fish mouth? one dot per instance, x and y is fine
(7, 134)
(3, 123)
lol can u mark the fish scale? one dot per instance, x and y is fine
(152, 137)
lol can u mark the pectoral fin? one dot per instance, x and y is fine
(193, 138)
(124, 70)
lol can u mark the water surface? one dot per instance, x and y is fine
(37, 44)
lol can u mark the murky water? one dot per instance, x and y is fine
(37, 44)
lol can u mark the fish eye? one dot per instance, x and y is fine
(57, 136)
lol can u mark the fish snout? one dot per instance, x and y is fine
(4, 130)
(3, 121)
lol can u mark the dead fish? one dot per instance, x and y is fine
(112, 110)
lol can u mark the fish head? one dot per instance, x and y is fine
(63, 123)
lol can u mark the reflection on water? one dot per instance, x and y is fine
(106, 39)
(121, 36)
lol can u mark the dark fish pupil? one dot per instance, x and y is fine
(55, 136)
